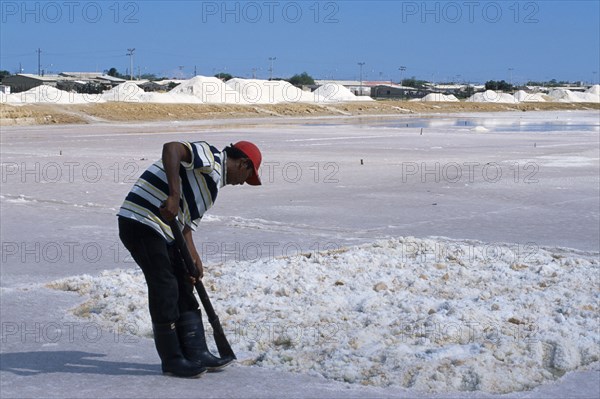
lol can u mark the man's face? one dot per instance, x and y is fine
(238, 171)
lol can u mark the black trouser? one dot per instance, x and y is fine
(169, 291)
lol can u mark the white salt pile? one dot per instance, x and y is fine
(243, 91)
(131, 92)
(490, 96)
(167, 81)
(211, 90)
(429, 314)
(45, 94)
(255, 91)
(589, 96)
(334, 92)
(595, 89)
(125, 92)
(439, 97)
(524, 97)
(207, 90)
(200, 89)
(128, 301)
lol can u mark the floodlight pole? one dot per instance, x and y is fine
(361, 81)
(39, 52)
(271, 68)
(130, 54)
(401, 69)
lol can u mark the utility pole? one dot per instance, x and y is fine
(195, 73)
(361, 67)
(39, 52)
(253, 73)
(271, 68)
(130, 54)
(401, 69)
(510, 70)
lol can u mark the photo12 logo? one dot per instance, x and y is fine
(295, 172)
(63, 252)
(469, 172)
(53, 12)
(69, 172)
(66, 332)
(270, 12)
(470, 11)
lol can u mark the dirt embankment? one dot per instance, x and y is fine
(125, 112)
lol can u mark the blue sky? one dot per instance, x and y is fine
(470, 41)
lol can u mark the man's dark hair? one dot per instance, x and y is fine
(236, 153)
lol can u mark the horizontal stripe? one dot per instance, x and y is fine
(199, 188)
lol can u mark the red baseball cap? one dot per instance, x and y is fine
(253, 153)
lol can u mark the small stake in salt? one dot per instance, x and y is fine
(361, 162)
(421, 131)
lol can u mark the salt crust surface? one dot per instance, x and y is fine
(430, 314)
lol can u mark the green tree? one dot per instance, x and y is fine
(304, 79)
(113, 72)
(498, 85)
(413, 82)
(149, 76)
(224, 76)
(4, 74)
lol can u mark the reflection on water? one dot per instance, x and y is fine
(491, 124)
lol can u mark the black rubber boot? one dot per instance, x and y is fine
(193, 342)
(172, 359)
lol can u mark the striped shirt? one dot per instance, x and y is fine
(200, 183)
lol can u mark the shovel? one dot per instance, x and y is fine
(223, 346)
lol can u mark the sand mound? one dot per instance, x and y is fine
(169, 98)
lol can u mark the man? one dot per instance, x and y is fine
(184, 184)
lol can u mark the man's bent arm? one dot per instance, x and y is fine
(172, 156)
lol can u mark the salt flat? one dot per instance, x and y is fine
(526, 182)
